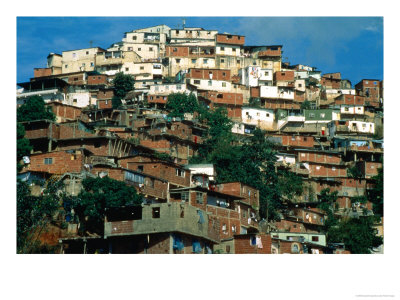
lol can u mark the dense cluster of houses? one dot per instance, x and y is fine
(320, 125)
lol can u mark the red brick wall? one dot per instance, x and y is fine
(97, 79)
(158, 190)
(241, 190)
(103, 104)
(299, 141)
(70, 130)
(224, 98)
(286, 247)
(344, 202)
(280, 103)
(351, 100)
(243, 245)
(284, 76)
(76, 79)
(230, 39)
(180, 51)
(319, 158)
(158, 244)
(120, 227)
(371, 168)
(41, 72)
(65, 112)
(227, 217)
(255, 92)
(204, 74)
(292, 226)
(98, 147)
(330, 83)
(327, 171)
(62, 162)
(157, 169)
(162, 99)
(270, 52)
(105, 94)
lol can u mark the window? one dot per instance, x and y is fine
(87, 52)
(176, 31)
(267, 115)
(315, 238)
(73, 55)
(66, 66)
(139, 49)
(92, 64)
(140, 168)
(178, 60)
(180, 173)
(222, 48)
(295, 248)
(318, 167)
(175, 50)
(222, 60)
(205, 60)
(223, 74)
(75, 101)
(185, 196)
(76, 78)
(293, 138)
(346, 109)
(134, 38)
(199, 198)
(196, 81)
(130, 49)
(209, 83)
(178, 87)
(193, 61)
(141, 68)
(156, 212)
(233, 228)
(48, 161)
(333, 169)
(151, 49)
(224, 84)
(126, 69)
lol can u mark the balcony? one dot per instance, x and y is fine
(166, 217)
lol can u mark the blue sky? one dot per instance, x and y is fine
(350, 45)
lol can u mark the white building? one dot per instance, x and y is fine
(276, 92)
(362, 127)
(260, 117)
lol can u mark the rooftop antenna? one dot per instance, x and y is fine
(183, 23)
(91, 44)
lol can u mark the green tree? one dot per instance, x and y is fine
(23, 146)
(376, 194)
(290, 185)
(34, 213)
(305, 105)
(357, 234)
(34, 109)
(180, 103)
(97, 195)
(123, 83)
